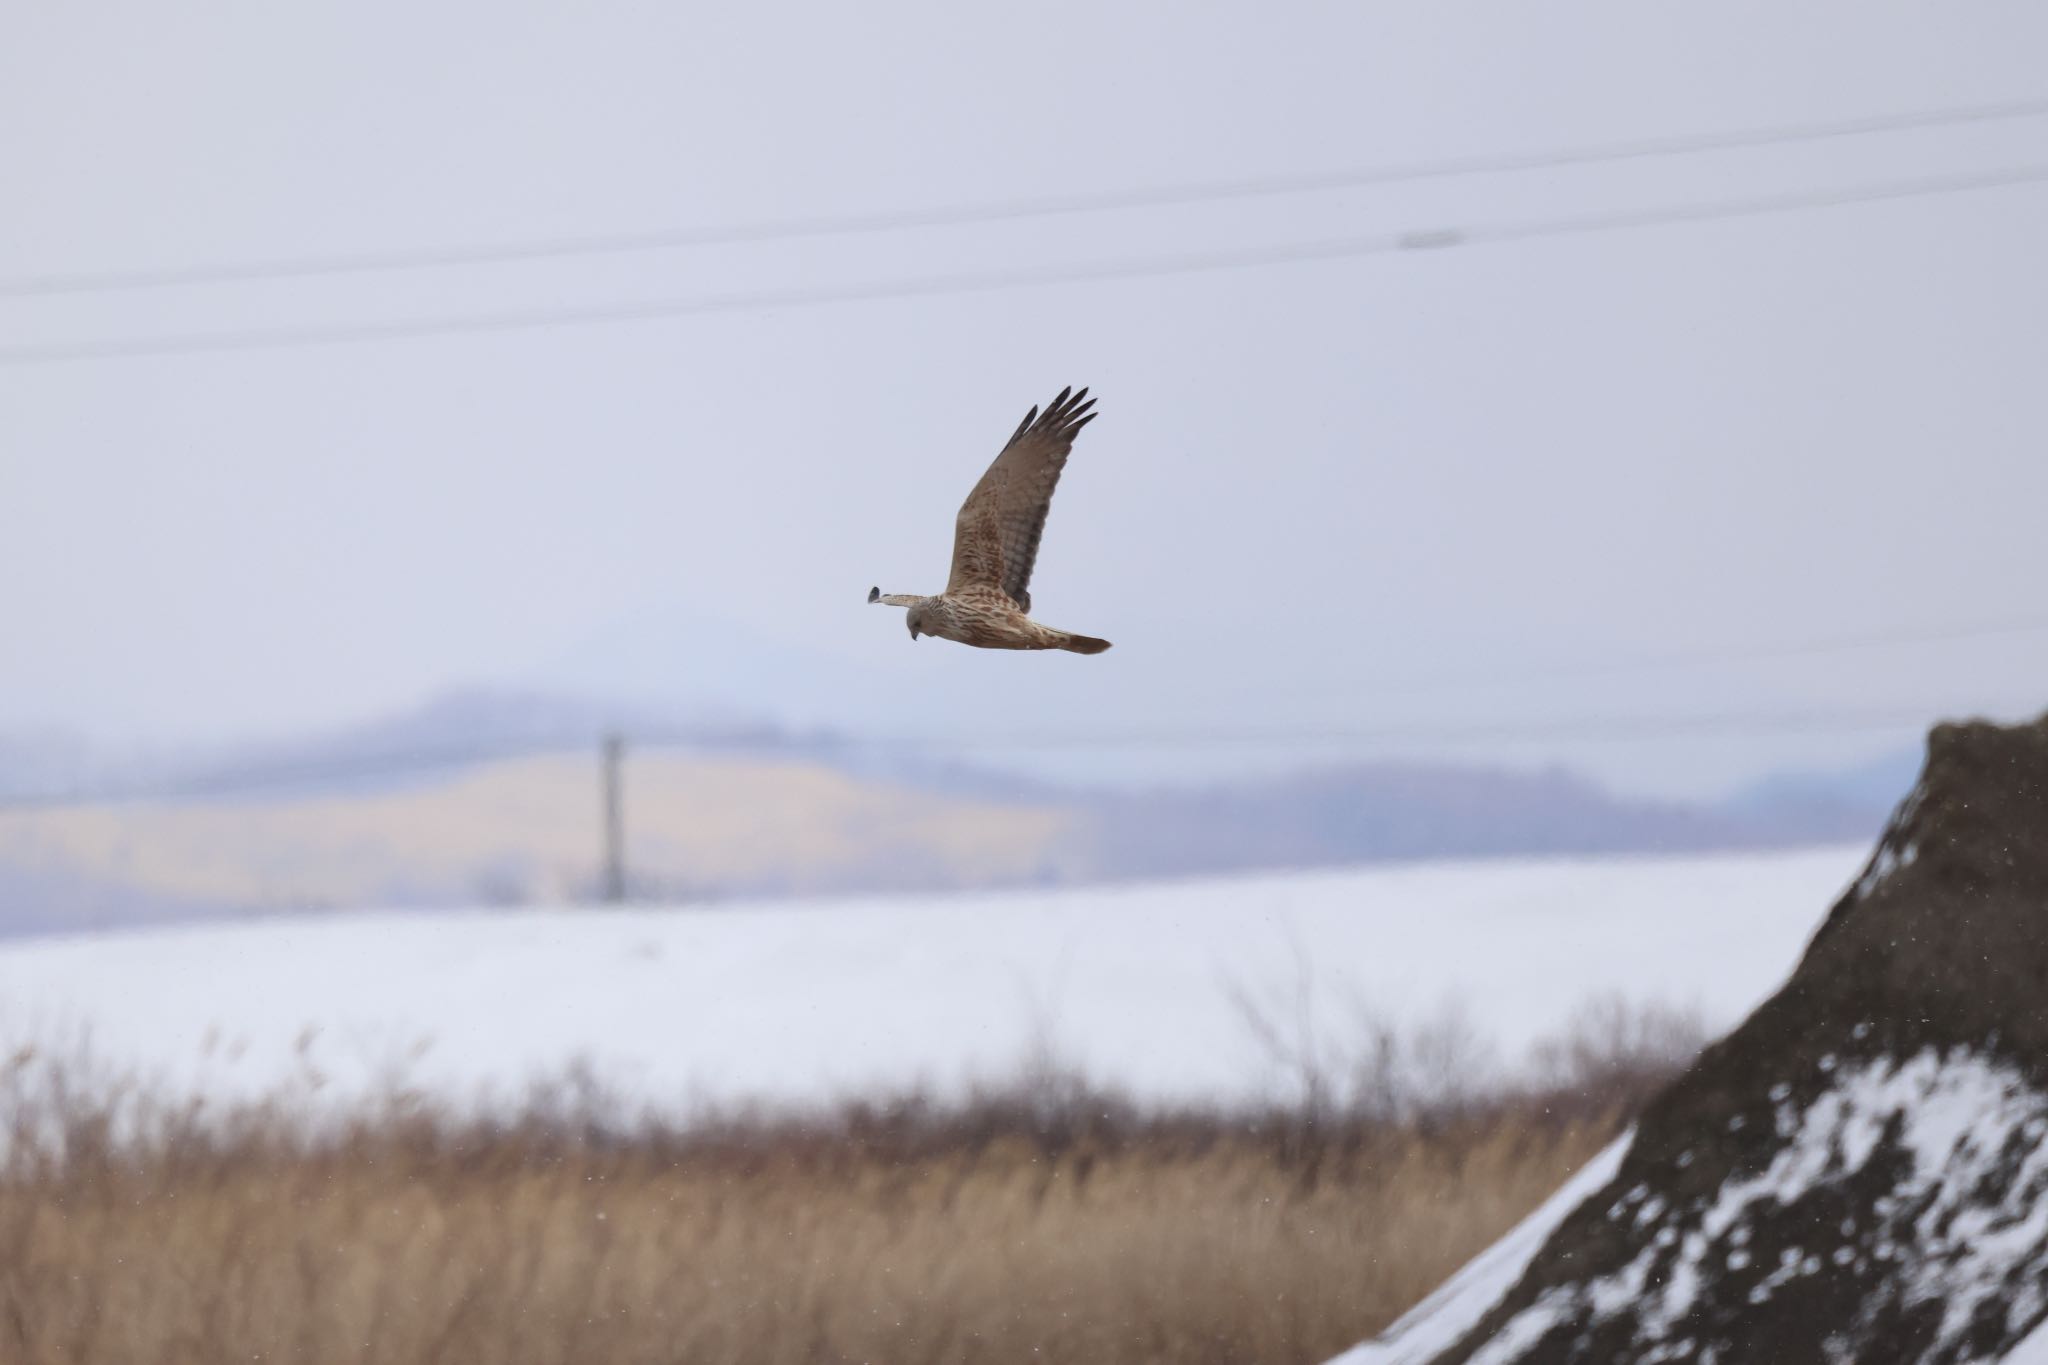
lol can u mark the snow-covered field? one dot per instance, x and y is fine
(1138, 985)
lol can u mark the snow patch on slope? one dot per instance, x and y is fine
(2032, 1351)
(1964, 1226)
(1450, 1312)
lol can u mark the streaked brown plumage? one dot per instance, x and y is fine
(995, 543)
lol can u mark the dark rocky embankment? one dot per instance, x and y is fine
(1856, 1173)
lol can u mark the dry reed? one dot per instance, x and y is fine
(1046, 1223)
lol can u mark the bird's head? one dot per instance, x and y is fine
(919, 615)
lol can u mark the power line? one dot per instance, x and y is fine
(833, 225)
(934, 286)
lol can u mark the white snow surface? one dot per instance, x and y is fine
(803, 1002)
(2031, 1351)
(1446, 1315)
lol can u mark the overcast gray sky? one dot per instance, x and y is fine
(1432, 493)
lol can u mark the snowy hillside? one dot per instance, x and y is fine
(1859, 1171)
(1142, 986)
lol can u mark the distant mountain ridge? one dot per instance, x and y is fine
(1413, 809)
(1393, 811)
(722, 803)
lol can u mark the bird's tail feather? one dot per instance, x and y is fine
(1083, 644)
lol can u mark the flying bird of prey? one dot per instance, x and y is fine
(987, 600)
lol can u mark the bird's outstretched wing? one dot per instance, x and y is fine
(995, 537)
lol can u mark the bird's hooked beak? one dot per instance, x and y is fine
(913, 632)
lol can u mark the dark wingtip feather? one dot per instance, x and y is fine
(874, 594)
(1071, 410)
(1059, 415)
(1024, 425)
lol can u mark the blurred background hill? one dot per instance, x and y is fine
(493, 797)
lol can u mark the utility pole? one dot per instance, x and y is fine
(614, 822)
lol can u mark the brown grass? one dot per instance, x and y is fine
(1046, 1222)
(1013, 1228)
(381, 1253)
